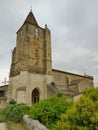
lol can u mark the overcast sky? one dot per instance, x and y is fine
(74, 31)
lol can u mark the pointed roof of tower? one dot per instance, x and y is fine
(31, 19)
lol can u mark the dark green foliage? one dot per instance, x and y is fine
(2, 115)
(15, 112)
(91, 93)
(84, 113)
(60, 94)
(13, 102)
(50, 110)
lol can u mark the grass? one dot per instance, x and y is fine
(11, 125)
(15, 126)
(12, 114)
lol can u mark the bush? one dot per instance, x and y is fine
(84, 113)
(91, 93)
(15, 112)
(12, 101)
(50, 110)
(2, 115)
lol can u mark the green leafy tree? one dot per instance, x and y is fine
(50, 110)
(84, 113)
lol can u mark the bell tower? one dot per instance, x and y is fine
(31, 67)
(33, 49)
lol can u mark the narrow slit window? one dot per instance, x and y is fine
(36, 31)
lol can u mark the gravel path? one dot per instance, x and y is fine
(3, 126)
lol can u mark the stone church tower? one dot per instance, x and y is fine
(31, 68)
(31, 75)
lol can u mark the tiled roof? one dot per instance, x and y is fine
(3, 88)
(75, 82)
(71, 93)
(52, 88)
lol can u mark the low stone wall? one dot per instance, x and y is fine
(33, 124)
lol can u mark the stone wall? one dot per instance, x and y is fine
(3, 102)
(64, 79)
(33, 124)
(22, 86)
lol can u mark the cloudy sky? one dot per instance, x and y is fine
(74, 31)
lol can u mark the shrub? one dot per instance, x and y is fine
(91, 93)
(12, 101)
(2, 115)
(60, 94)
(50, 110)
(83, 115)
(15, 112)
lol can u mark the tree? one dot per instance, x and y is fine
(84, 113)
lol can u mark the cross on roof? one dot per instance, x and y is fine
(31, 9)
(5, 81)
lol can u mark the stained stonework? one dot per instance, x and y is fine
(33, 49)
(23, 85)
(31, 62)
(69, 81)
(31, 68)
(3, 96)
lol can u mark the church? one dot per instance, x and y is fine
(31, 75)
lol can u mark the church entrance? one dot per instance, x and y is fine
(35, 96)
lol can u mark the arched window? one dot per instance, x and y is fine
(35, 96)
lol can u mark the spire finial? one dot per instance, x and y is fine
(31, 9)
